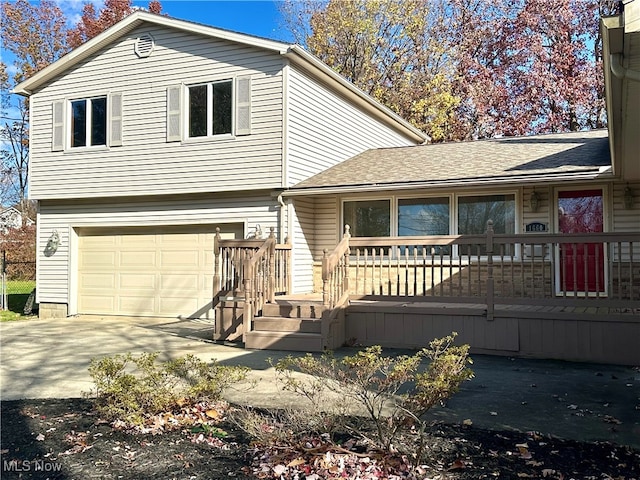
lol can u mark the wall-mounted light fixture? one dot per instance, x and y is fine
(534, 201)
(627, 198)
(52, 244)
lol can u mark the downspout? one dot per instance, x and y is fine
(620, 72)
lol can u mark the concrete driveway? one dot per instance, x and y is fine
(49, 358)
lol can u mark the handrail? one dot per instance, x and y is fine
(256, 281)
(250, 272)
(335, 272)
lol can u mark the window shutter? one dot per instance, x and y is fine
(115, 120)
(57, 141)
(174, 126)
(243, 105)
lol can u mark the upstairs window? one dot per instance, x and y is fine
(210, 109)
(89, 122)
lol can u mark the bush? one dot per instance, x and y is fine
(129, 388)
(18, 246)
(392, 391)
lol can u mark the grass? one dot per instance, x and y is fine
(17, 293)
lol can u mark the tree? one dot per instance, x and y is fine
(462, 69)
(545, 70)
(92, 23)
(388, 48)
(35, 35)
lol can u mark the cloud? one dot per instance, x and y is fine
(72, 9)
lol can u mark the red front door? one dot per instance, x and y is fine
(581, 264)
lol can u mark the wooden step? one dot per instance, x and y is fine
(286, 324)
(293, 309)
(289, 341)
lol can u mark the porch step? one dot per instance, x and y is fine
(294, 309)
(287, 324)
(289, 341)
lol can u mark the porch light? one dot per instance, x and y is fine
(52, 244)
(628, 198)
(534, 201)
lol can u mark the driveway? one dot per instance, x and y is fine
(49, 358)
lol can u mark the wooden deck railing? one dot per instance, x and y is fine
(335, 273)
(591, 269)
(251, 272)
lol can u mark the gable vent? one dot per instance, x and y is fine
(144, 45)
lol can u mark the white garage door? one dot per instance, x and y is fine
(163, 272)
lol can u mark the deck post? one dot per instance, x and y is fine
(216, 263)
(271, 295)
(347, 235)
(490, 285)
(247, 316)
(325, 278)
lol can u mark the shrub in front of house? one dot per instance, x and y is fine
(392, 391)
(131, 388)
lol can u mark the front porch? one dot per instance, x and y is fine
(571, 296)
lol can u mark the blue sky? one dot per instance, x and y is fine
(259, 17)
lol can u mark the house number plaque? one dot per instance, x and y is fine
(535, 227)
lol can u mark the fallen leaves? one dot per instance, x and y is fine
(458, 464)
(610, 419)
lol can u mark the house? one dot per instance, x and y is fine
(154, 133)
(189, 172)
(11, 218)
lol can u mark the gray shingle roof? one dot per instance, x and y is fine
(500, 159)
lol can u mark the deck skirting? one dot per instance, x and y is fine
(600, 335)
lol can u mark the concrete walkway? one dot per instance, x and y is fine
(49, 358)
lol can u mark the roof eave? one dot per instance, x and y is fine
(481, 182)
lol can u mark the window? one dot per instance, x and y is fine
(432, 216)
(210, 109)
(368, 218)
(423, 216)
(475, 211)
(89, 122)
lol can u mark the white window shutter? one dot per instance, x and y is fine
(115, 120)
(243, 106)
(174, 123)
(57, 142)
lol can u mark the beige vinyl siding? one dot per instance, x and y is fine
(55, 273)
(627, 220)
(543, 214)
(303, 240)
(327, 234)
(324, 129)
(146, 164)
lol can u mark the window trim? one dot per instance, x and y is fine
(453, 205)
(61, 122)
(89, 119)
(209, 122)
(606, 227)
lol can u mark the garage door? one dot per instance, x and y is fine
(164, 272)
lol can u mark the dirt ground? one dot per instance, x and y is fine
(65, 439)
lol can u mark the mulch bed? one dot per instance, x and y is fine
(65, 439)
